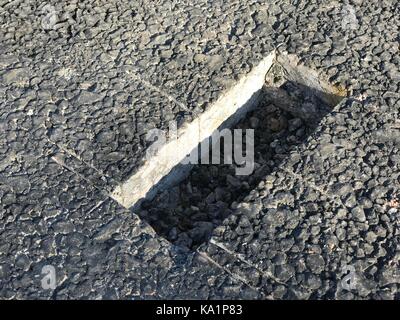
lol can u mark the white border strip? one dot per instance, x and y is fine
(138, 185)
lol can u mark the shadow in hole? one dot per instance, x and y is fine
(185, 212)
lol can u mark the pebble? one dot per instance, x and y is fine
(358, 214)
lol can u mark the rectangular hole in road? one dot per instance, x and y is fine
(287, 111)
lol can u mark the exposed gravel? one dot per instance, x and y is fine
(187, 213)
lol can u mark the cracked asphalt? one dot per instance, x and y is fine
(77, 99)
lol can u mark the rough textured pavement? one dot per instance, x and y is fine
(77, 99)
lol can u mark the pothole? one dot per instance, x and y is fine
(191, 200)
(187, 213)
